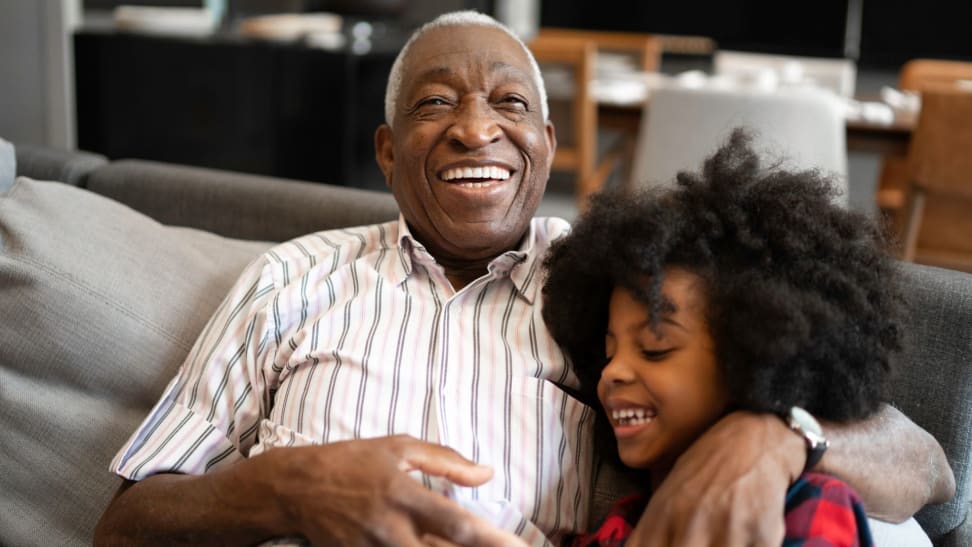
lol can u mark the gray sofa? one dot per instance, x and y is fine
(108, 271)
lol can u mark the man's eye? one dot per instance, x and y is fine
(433, 101)
(515, 102)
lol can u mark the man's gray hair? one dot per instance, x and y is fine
(455, 18)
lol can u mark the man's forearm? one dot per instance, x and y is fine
(894, 465)
(220, 508)
(341, 493)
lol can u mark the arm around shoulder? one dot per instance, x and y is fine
(888, 444)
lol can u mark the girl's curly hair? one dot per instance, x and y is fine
(802, 296)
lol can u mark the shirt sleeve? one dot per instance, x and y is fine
(617, 525)
(822, 510)
(209, 413)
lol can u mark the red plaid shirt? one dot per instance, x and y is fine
(821, 511)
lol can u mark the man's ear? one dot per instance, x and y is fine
(385, 151)
(551, 141)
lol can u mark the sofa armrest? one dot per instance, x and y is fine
(238, 205)
(959, 537)
(933, 381)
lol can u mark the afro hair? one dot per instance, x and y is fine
(802, 295)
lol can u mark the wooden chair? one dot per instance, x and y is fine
(918, 73)
(915, 75)
(568, 68)
(644, 48)
(938, 223)
(583, 151)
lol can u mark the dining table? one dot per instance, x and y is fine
(873, 126)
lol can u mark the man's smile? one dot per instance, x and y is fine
(476, 175)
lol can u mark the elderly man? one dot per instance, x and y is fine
(321, 398)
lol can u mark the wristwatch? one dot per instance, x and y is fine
(809, 428)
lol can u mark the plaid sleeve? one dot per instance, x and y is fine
(822, 510)
(616, 526)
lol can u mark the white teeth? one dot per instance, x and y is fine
(486, 173)
(632, 416)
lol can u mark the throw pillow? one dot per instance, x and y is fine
(99, 304)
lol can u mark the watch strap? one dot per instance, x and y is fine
(812, 435)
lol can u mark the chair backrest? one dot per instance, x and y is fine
(804, 128)
(915, 75)
(940, 152)
(838, 75)
(937, 228)
(919, 73)
(645, 49)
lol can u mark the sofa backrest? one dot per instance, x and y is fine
(238, 205)
(933, 385)
(45, 163)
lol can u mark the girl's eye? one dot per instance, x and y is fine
(656, 354)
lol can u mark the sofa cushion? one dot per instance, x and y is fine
(100, 304)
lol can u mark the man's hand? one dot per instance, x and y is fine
(355, 493)
(728, 489)
(359, 493)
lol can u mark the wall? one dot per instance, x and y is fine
(37, 98)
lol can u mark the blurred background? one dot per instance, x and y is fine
(294, 88)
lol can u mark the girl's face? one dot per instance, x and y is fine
(662, 386)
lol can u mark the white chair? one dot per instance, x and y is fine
(801, 128)
(838, 75)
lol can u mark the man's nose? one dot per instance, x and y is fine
(475, 125)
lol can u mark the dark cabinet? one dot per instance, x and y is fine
(232, 103)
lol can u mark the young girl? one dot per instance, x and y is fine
(741, 288)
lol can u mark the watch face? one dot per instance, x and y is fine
(805, 420)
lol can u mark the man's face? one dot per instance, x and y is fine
(470, 153)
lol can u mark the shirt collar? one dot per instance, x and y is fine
(522, 265)
(399, 267)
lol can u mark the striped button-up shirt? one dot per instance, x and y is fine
(357, 333)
